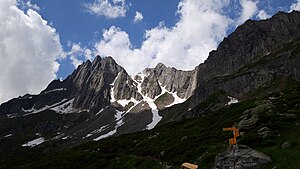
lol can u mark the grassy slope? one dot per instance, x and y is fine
(194, 140)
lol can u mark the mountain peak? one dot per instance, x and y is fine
(107, 59)
(97, 59)
(160, 65)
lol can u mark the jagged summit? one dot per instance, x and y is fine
(281, 14)
(98, 58)
(160, 65)
(179, 81)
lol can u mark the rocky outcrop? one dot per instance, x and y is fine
(125, 88)
(150, 86)
(16, 105)
(251, 116)
(91, 83)
(244, 158)
(264, 132)
(179, 81)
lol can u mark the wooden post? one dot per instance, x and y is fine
(236, 134)
(233, 142)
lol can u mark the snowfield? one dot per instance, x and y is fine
(34, 142)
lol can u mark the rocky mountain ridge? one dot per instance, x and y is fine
(249, 43)
(99, 99)
(107, 94)
(255, 55)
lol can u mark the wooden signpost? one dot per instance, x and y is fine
(233, 142)
(236, 134)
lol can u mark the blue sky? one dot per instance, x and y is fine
(74, 24)
(42, 40)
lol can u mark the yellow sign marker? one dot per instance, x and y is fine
(236, 134)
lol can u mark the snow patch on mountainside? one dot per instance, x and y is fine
(62, 107)
(155, 116)
(34, 142)
(58, 136)
(8, 135)
(151, 102)
(119, 119)
(87, 136)
(112, 93)
(55, 90)
(106, 135)
(66, 107)
(177, 99)
(10, 116)
(66, 137)
(100, 130)
(126, 102)
(232, 100)
(29, 110)
(34, 111)
(99, 112)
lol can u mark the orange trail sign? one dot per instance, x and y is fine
(236, 134)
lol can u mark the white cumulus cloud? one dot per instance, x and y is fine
(262, 14)
(107, 8)
(249, 9)
(29, 48)
(201, 26)
(76, 52)
(295, 6)
(138, 17)
(27, 4)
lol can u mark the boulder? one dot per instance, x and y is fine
(264, 131)
(250, 117)
(244, 158)
(285, 145)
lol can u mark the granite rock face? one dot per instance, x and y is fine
(253, 56)
(150, 86)
(88, 85)
(125, 88)
(91, 83)
(179, 81)
(249, 43)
